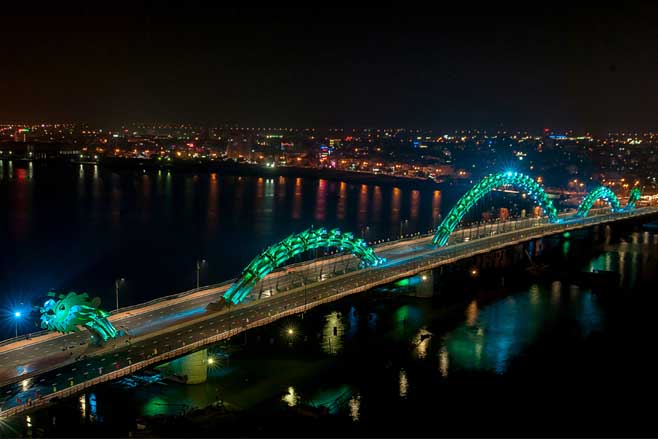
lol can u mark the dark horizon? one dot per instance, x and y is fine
(591, 70)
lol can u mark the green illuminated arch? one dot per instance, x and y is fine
(600, 193)
(633, 198)
(605, 193)
(293, 245)
(483, 187)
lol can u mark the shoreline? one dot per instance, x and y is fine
(246, 169)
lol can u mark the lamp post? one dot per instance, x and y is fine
(117, 283)
(198, 270)
(17, 315)
(403, 222)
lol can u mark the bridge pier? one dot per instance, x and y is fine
(426, 286)
(193, 366)
(420, 285)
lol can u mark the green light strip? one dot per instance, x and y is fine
(482, 188)
(290, 247)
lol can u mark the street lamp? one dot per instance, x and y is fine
(116, 289)
(199, 263)
(405, 222)
(17, 315)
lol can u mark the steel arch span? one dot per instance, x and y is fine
(483, 187)
(633, 198)
(605, 193)
(290, 247)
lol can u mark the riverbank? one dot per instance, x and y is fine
(248, 169)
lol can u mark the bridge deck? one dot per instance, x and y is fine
(169, 331)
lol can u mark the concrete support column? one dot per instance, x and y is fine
(426, 286)
(194, 366)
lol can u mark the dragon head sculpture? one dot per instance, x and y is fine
(71, 310)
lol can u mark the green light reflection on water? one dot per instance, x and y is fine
(496, 334)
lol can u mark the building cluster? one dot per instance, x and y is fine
(623, 159)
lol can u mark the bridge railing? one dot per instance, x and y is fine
(22, 337)
(171, 297)
(371, 277)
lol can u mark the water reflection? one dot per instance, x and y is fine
(21, 205)
(444, 362)
(363, 205)
(422, 342)
(83, 406)
(376, 202)
(472, 313)
(415, 204)
(333, 399)
(355, 407)
(212, 217)
(264, 207)
(321, 201)
(556, 289)
(396, 199)
(590, 317)
(501, 331)
(291, 398)
(238, 200)
(92, 407)
(407, 317)
(341, 209)
(28, 425)
(297, 199)
(436, 208)
(332, 334)
(403, 383)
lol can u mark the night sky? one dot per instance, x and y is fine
(593, 68)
